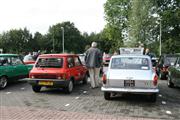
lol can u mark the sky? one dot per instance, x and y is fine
(38, 15)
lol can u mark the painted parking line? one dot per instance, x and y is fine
(163, 102)
(77, 98)
(8, 92)
(67, 105)
(168, 112)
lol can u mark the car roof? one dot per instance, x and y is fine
(9, 55)
(58, 55)
(129, 55)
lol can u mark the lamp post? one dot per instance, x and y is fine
(160, 33)
(53, 42)
(62, 28)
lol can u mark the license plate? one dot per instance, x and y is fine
(129, 83)
(50, 83)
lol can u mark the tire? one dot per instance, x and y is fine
(153, 97)
(70, 87)
(85, 79)
(36, 88)
(107, 95)
(169, 82)
(3, 82)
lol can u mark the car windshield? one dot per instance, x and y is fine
(50, 62)
(170, 60)
(130, 63)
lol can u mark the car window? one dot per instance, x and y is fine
(70, 61)
(130, 63)
(50, 62)
(4, 61)
(77, 61)
(16, 61)
(170, 60)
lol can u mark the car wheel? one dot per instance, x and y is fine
(153, 97)
(3, 82)
(69, 88)
(85, 79)
(107, 95)
(169, 82)
(36, 88)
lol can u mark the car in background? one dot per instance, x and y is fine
(173, 77)
(57, 71)
(106, 59)
(130, 74)
(165, 61)
(12, 68)
(82, 58)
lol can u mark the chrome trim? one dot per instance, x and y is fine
(135, 90)
(37, 79)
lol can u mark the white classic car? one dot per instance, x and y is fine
(130, 74)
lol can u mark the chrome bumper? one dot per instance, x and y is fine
(129, 90)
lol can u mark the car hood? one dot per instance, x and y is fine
(130, 74)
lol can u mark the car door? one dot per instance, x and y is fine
(5, 67)
(20, 70)
(79, 67)
(72, 69)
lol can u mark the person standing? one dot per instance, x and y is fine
(93, 61)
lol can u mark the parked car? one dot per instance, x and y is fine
(57, 70)
(106, 59)
(174, 74)
(164, 62)
(82, 58)
(12, 68)
(130, 74)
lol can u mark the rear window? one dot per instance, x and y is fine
(130, 63)
(50, 62)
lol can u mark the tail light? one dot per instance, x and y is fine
(155, 81)
(104, 79)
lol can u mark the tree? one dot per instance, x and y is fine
(116, 14)
(73, 40)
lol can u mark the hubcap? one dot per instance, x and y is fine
(3, 82)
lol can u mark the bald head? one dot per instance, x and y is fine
(94, 44)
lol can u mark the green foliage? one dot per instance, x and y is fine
(131, 22)
(73, 40)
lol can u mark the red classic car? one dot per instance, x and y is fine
(57, 70)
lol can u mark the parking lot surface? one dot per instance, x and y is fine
(19, 102)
